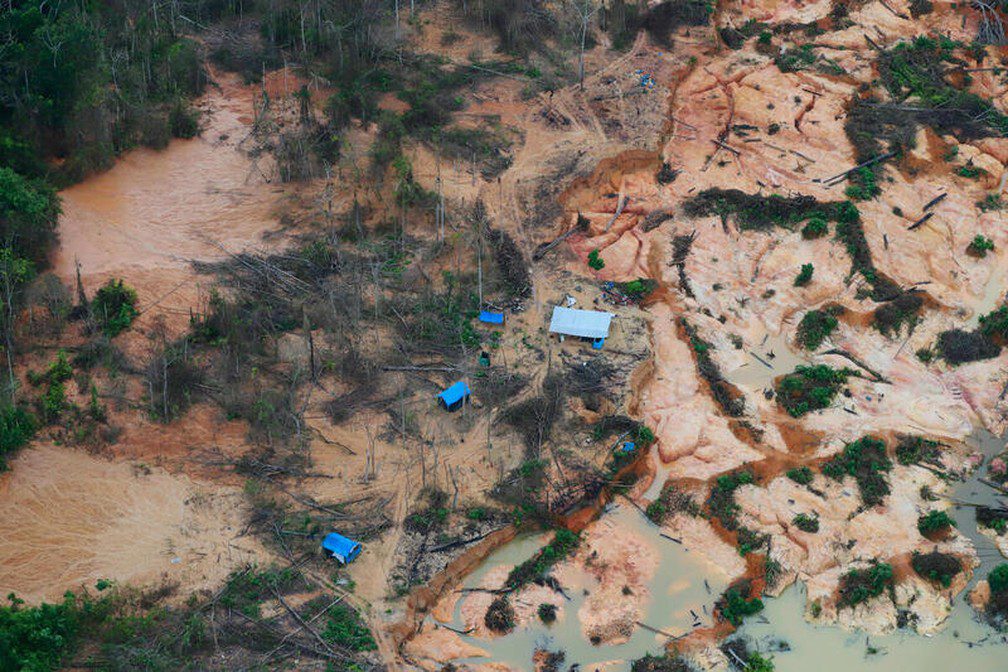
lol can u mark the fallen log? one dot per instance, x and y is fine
(920, 222)
(934, 201)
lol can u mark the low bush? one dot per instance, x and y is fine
(815, 227)
(890, 317)
(345, 628)
(998, 579)
(733, 606)
(960, 347)
(816, 326)
(563, 544)
(865, 460)
(916, 449)
(500, 615)
(810, 388)
(934, 522)
(992, 519)
(114, 307)
(800, 475)
(995, 323)
(547, 612)
(594, 261)
(804, 276)
(721, 502)
(17, 427)
(980, 246)
(806, 522)
(859, 585)
(939, 568)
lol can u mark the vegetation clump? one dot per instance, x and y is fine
(997, 607)
(733, 605)
(757, 212)
(995, 323)
(721, 502)
(804, 276)
(939, 568)
(890, 316)
(547, 612)
(934, 522)
(594, 261)
(810, 388)
(916, 449)
(815, 227)
(114, 307)
(958, 346)
(564, 542)
(980, 246)
(793, 60)
(816, 326)
(665, 663)
(724, 393)
(806, 522)
(17, 427)
(500, 615)
(671, 500)
(860, 585)
(800, 475)
(991, 518)
(865, 460)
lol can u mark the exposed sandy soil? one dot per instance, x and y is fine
(68, 519)
(157, 211)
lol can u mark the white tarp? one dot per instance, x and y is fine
(583, 323)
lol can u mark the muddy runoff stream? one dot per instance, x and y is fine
(682, 590)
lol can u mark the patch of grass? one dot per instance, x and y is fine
(810, 388)
(751, 540)
(865, 460)
(793, 60)
(816, 326)
(344, 627)
(992, 202)
(970, 171)
(860, 585)
(594, 261)
(863, 185)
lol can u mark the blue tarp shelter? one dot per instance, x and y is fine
(343, 549)
(455, 396)
(592, 324)
(491, 317)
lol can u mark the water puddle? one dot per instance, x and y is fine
(685, 583)
(993, 296)
(772, 357)
(965, 642)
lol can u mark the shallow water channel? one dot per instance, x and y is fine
(679, 587)
(965, 643)
(676, 588)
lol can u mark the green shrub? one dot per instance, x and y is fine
(37, 639)
(815, 227)
(758, 663)
(806, 523)
(17, 427)
(804, 276)
(863, 185)
(915, 449)
(998, 578)
(980, 246)
(970, 171)
(958, 346)
(721, 501)
(865, 460)
(815, 327)
(934, 521)
(59, 371)
(564, 543)
(859, 585)
(940, 568)
(114, 307)
(995, 323)
(594, 261)
(992, 518)
(734, 607)
(800, 475)
(810, 388)
(547, 612)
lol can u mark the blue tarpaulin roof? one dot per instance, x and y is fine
(583, 323)
(455, 393)
(343, 549)
(491, 317)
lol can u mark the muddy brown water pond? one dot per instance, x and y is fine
(781, 629)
